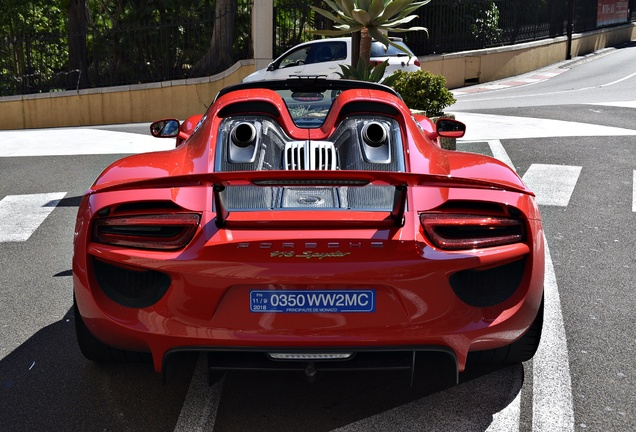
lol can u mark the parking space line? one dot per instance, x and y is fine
(552, 408)
(198, 413)
(500, 153)
(21, 215)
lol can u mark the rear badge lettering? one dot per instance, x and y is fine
(309, 254)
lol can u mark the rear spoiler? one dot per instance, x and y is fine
(401, 181)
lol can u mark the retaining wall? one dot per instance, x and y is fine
(180, 99)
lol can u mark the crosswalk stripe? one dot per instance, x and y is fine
(21, 215)
(552, 184)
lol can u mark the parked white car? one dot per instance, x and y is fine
(323, 57)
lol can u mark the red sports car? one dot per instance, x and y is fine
(309, 224)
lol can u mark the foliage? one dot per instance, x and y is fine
(367, 72)
(485, 27)
(294, 21)
(26, 60)
(424, 91)
(372, 18)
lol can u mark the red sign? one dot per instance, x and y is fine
(612, 12)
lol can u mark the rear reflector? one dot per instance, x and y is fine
(462, 231)
(310, 356)
(159, 232)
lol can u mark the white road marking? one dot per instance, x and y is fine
(619, 80)
(552, 408)
(483, 127)
(500, 153)
(624, 104)
(456, 408)
(552, 184)
(21, 215)
(551, 383)
(634, 193)
(77, 141)
(198, 413)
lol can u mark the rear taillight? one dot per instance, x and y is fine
(452, 231)
(158, 231)
(416, 62)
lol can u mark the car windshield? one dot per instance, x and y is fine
(309, 100)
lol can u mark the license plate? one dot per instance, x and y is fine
(333, 301)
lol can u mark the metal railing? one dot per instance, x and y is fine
(36, 62)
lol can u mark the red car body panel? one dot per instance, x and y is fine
(207, 303)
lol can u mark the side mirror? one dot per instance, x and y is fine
(165, 128)
(449, 128)
(271, 67)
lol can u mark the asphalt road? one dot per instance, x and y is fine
(572, 137)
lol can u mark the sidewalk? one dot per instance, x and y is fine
(533, 77)
(77, 141)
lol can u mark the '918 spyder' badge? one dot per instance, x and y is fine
(309, 254)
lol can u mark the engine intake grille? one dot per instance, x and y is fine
(310, 155)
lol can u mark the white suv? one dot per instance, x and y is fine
(323, 57)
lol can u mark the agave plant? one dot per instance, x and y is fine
(367, 72)
(372, 18)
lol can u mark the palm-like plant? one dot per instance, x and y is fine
(372, 18)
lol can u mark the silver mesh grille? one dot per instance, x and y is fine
(310, 155)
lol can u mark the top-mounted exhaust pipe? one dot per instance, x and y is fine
(243, 135)
(374, 134)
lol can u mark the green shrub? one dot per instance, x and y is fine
(424, 91)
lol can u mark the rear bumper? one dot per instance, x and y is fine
(206, 305)
(451, 326)
(317, 361)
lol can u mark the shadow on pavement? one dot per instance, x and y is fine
(48, 385)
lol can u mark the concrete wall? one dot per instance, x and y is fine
(124, 104)
(472, 67)
(180, 99)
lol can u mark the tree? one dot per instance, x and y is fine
(219, 56)
(77, 60)
(372, 18)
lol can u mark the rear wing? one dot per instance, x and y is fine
(299, 198)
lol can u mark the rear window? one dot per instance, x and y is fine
(377, 50)
(308, 109)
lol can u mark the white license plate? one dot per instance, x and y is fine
(332, 301)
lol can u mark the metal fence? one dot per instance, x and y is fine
(462, 25)
(36, 62)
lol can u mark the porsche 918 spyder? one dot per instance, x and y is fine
(309, 224)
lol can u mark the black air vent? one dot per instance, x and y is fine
(131, 288)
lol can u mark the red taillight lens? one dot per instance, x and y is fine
(160, 232)
(416, 63)
(461, 231)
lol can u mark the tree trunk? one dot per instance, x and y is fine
(355, 48)
(77, 61)
(220, 55)
(365, 45)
